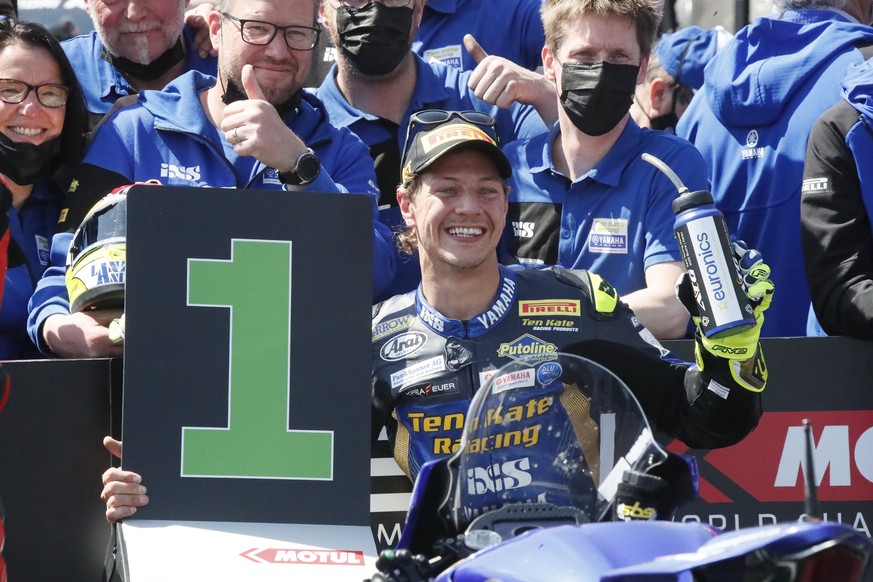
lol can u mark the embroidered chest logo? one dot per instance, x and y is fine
(608, 236)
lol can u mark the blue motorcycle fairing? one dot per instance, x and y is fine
(777, 540)
(587, 552)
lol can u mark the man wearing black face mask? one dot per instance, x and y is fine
(378, 83)
(581, 196)
(674, 73)
(136, 45)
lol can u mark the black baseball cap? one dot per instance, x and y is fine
(433, 133)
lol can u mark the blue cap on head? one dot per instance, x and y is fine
(685, 53)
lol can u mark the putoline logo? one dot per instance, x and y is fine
(842, 454)
(528, 349)
(305, 556)
(403, 346)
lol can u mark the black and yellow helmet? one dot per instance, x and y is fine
(97, 259)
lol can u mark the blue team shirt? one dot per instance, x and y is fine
(508, 28)
(616, 220)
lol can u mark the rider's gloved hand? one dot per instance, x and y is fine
(741, 347)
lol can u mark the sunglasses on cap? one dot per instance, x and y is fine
(422, 120)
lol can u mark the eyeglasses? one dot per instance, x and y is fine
(360, 4)
(257, 32)
(49, 95)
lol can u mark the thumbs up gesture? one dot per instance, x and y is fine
(501, 82)
(254, 127)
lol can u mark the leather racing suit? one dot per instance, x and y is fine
(427, 367)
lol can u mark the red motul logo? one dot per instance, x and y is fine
(769, 463)
(304, 556)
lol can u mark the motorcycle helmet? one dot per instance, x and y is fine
(97, 259)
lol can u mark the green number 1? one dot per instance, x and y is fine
(255, 284)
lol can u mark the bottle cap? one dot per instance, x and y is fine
(691, 200)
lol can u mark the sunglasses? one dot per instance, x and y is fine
(422, 120)
(49, 95)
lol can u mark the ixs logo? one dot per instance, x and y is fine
(403, 346)
(842, 455)
(528, 349)
(174, 172)
(523, 229)
(499, 477)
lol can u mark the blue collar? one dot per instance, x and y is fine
(479, 324)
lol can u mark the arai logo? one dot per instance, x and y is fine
(402, 346)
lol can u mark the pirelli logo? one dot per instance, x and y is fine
(570, 307)
(453, 133)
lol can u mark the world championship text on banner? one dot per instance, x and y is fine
(246, 373)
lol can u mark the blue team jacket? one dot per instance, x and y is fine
(751, 122)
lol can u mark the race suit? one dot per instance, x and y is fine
(427, 367)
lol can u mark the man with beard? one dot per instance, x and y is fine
(135, 45)
(581, 196)
(252, 127)
(378, 83)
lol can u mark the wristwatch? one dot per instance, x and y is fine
(307, 169)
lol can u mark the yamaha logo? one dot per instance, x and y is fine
(403, 346)
(752, 138)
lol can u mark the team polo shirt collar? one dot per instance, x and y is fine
(608, 171)
(479, 324)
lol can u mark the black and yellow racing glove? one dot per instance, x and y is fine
(741, 349)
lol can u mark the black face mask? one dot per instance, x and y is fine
(153, 70)
(375, 38)
(666, 122)
(595, 96)
(25, 163)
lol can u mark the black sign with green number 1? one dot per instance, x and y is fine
(247, 356)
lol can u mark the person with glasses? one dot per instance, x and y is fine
(378, 83)
(251, 127)
(582, 196)
(135, 45)
(42, 125)
(471, 315)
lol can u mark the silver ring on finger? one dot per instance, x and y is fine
(235, 136)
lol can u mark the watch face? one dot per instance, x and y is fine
(308, 167)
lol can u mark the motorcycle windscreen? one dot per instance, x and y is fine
(561, 431)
